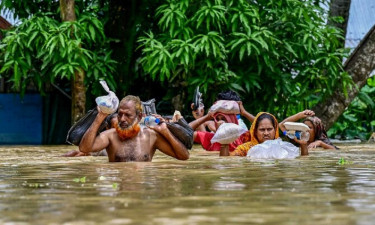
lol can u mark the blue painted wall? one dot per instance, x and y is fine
(20, 119)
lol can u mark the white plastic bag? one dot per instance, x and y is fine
(274, 149)
(227, 133)
(107, 103)
(296, 126)
(225, 106)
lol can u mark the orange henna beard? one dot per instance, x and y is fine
(128, 133)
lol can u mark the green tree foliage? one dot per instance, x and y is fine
(358, 121)
(25, 9)
(278, 54)
(42, 49)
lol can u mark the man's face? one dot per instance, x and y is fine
(128, 120)
(126, 114)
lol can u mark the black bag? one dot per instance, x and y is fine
(77, 131)
(182, 131)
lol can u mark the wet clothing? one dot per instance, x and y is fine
(230, 118)
(249, 140)
(204, 138)
(319, 129)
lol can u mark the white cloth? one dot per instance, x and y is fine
(274, 149)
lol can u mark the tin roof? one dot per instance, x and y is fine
(8, 16)
(361, 19)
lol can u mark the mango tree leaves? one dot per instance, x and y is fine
(281, 50)
(42, 49)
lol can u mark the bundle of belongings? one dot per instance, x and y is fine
(77, 131)
(274, 149)
(179, 128)
(227, 133)
(225, 106)
(182, 131)
(107, 104)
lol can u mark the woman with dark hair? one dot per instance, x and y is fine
(265, 127)
(318, 134)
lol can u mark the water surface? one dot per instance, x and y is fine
(39, 187)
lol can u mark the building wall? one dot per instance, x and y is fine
(20, 119)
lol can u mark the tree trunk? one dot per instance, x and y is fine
(340, 8)
(78, 87)
(359, 65)
(67, 10)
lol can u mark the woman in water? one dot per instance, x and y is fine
(318, 134)
(265, 127)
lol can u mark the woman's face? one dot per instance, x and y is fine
(265, 131)
(311, 131)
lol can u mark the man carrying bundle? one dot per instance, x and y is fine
(128, 141)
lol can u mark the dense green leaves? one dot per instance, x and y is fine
(42, 49)
(279, 53)
(358, 121)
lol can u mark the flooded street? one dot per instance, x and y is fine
(39, 187)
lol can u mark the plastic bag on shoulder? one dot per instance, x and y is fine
(107, 103)
(225, 106)
(274, 149)
(227, 133)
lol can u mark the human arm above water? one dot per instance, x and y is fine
(318, 135)
(196, 123)
(303, 147)
(319, 143)
(296, 117)
(92, 143)
(198, 113)
(245, 113)
(167, 143)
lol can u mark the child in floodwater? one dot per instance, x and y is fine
(318, 134)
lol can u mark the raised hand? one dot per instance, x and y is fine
(197, 113)
(242, 109)
(308, 112)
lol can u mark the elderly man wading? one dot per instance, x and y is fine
(128, 141)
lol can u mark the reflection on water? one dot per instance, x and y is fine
(39, 187)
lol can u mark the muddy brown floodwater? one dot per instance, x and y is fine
(39, 187)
